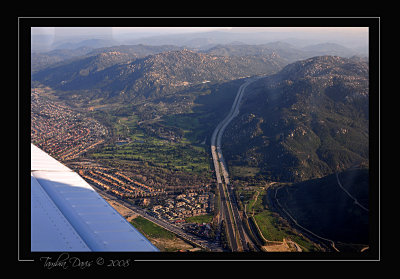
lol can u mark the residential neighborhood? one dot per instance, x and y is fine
(67, 135)
(62, 132)
(179, 207)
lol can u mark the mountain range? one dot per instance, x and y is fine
(287, 51)
(303, 120)
(116, 76)
(199, 40)
(306, 121)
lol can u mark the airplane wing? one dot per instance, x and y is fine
(67, 214)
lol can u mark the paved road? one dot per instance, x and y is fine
(353, 198)
(168, 226)
(331, 242)
(226, 216)
(233, 220)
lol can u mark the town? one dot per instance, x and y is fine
(60, 131)
(167, 205)
(67, 135)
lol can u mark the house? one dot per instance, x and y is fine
(156, 207)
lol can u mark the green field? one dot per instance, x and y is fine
(200, 219)
(173, 155)
(271, 225)
(163, 239)
(275, 229)
(169, 133)
(256, 202)
(243, 171)
(150, 229)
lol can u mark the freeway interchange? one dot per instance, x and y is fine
(237, 236)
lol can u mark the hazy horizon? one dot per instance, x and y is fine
(50, 38)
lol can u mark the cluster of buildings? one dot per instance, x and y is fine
(175, 209)
(117, 183)
(65, 135)
(203, 230)
(61, 132)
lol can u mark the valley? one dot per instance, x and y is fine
(252, 130)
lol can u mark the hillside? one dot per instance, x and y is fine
(289, 53)
(70, 70)
(321, 206)
(116, 77)
(40, 61)
(60, 57)
(307, 121)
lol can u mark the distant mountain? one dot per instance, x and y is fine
(138, 51)
(239, 50)
(93, 43)
(286, 51)
(116, 76)
(202, 40)
(307, 121)
(330, 49)
(198, 39)
(41, 60)
(63, 72)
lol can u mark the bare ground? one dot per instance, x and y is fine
(164, 245)
(127, 213)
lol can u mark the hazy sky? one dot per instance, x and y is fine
(69, 31)
(115, 31)
(121, 34)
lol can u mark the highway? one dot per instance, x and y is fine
(239, 240)
(229, 210)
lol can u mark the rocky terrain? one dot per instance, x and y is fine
(307, 121)
(118, 77)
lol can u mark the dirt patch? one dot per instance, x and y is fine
(165, 245)
(284, 246)
(127, 213)
(170, 245)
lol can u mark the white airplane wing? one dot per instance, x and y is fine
(67, 214)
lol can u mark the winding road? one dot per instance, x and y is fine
(351, 197)
(331, 242)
